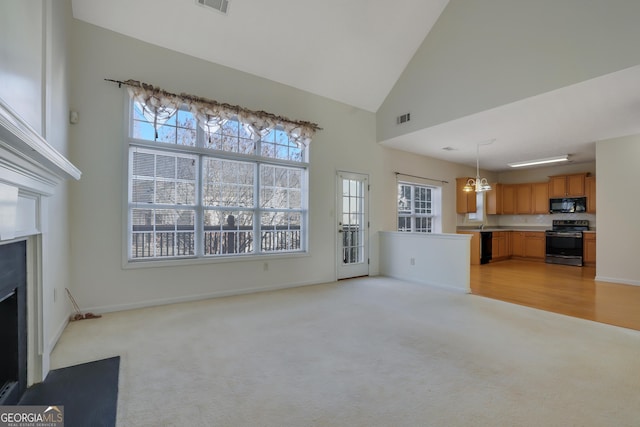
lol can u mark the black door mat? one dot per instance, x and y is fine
(88, 392)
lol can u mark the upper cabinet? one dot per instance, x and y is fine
(528, 198)
(509, 198)
(493, 202)
(518, 199)
(567, 185)
(465, 201)
(590, 188)
(523, 198)
(540, 198)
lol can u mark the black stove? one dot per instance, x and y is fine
(570, 225)
(564, 241)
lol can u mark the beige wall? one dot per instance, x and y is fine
(618, 204)
(21, 58)
(347, 142)
(427, 167)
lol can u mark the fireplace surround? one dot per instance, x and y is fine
(31, 171)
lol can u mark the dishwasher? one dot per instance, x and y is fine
(486, 238)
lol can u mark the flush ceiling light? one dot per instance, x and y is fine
(563, 158)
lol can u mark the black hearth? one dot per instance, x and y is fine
(13, 322)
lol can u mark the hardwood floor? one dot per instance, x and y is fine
(558, 288)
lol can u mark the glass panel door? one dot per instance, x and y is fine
(352, 227)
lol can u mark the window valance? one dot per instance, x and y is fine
(158, 106)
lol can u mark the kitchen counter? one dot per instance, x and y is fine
(514, 228)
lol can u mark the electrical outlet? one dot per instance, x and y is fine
(412, 261)
(265, 266)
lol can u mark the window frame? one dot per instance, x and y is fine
(201, 152)
(435, 215)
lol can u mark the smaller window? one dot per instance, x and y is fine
(418, 208)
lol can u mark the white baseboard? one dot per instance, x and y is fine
(58, 333)
(617, 280)
(190, 298)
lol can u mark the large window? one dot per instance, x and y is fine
(213, 193)
(418, 208)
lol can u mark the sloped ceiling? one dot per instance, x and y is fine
(349, 51)
(354, 52)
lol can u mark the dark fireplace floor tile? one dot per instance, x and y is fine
(88, 392)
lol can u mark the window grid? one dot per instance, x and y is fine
(184, 202)
(416, 208)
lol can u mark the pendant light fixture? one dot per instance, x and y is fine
(478, 184)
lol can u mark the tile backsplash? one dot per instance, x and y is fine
(538, 220)
(542, 221)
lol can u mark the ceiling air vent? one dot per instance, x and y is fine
(219, 5)
(403, 118)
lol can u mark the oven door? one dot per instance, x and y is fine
(564, 247)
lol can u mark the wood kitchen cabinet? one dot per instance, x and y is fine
(465, 201)
(567, 185)
(540, 198)
(534, 244)
(532, 198)
(493, 201)
(523, 199)
(590, 190)
(517, 243)
(499, 245)
(508, 199)
(589, 248)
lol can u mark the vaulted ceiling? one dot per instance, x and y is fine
(350, 51)
(354, 52)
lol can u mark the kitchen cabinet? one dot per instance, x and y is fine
(540, 198)
(493, 201)
(523, 199)
(534, 244)
(517, 243)
(589, 248)
(567, 185)
(465, 201)
(499, 245)
(508, 199)
(529, 245)
(590, 189)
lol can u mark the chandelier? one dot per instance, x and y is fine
(478, 184)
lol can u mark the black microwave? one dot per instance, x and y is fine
(568, 205)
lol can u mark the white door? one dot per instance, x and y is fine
(352, 225)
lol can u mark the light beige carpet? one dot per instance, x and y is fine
(364, 352)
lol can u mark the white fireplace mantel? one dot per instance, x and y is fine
(30, 168)
(27, 160)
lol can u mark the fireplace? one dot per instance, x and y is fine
(13, 322)
(31, 171)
